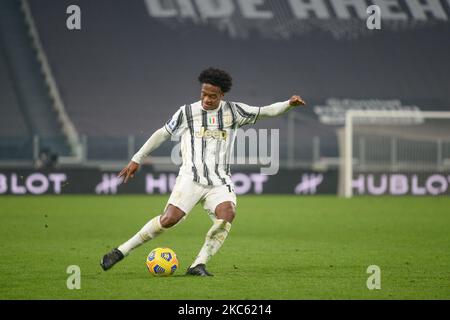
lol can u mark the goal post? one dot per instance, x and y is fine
(395, 142)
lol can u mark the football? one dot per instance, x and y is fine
(162, 262)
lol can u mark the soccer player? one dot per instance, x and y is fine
(208, 130)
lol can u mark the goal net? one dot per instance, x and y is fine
(395, 153)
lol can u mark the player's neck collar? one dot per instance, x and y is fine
(213, 110)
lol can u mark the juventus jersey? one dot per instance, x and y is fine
(207, 138)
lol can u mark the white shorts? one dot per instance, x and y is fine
(187, 193)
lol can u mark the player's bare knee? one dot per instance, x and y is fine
(169, 220)
(226, 211)
(171, 217)
(229, 216)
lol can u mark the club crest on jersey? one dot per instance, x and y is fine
(227, 119)
(215, 134)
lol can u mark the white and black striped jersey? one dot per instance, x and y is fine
(207, 138)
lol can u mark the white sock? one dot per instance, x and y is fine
(151, 230)
(214, 240)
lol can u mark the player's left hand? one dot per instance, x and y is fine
(296, 101)
(129, 171)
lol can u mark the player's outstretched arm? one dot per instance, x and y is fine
(280, 108)
(155, 140)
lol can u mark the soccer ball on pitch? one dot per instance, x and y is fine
(162, 262)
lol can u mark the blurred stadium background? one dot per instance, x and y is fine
(77, 101)
(75, 105)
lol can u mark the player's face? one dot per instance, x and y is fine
(211, 96)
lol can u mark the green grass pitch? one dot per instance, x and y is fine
(280, 247)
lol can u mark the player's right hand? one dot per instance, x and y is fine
(297, 101)
(128, 171)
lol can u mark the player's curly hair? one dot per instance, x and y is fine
(216, 77)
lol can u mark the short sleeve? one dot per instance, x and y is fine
(246, 114)
(177, 123)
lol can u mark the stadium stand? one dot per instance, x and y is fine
(26, 105)
(15, 135)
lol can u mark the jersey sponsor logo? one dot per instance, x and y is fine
(215, 134)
